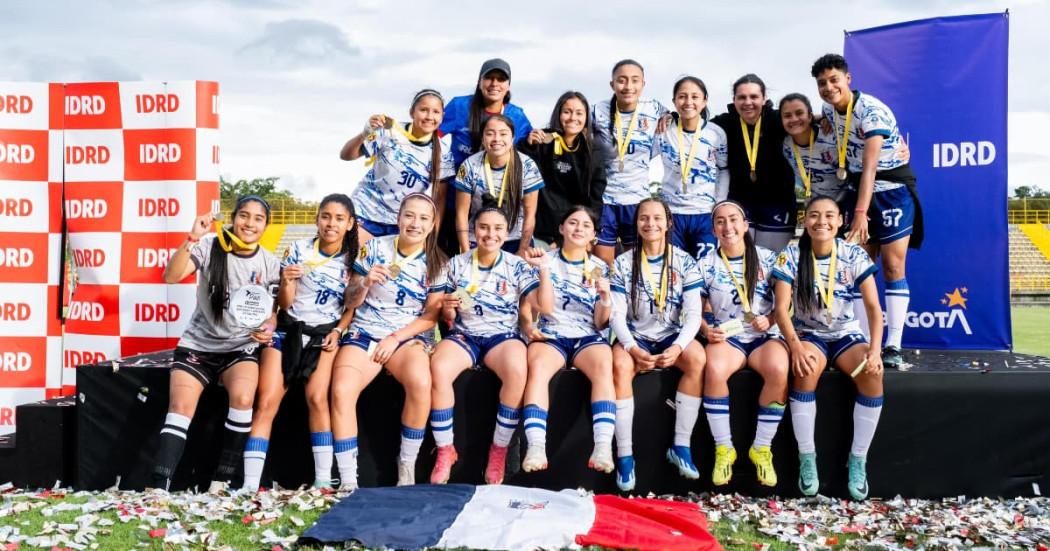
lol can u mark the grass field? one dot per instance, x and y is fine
(1031, 330)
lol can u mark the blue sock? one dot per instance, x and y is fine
(603, 420)
(441, 425)
(506, 423)
(536, 425)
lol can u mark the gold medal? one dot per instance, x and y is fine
(596, 273)
(741, 289)
(749, 317)
(218, 217)
(754, 176)
(841, 174)
(548, 137)
(395, 267)
(465, 300)
(842, 143)
(388, 122)
(620, 165)
(751, 146)
(827, 294)
(622, 146)
(395, 270)
(830, 319)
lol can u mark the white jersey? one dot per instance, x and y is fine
(495, 303)
(401, 167)
(871, 117)
(709, 158)
(395, 303)
(471, 179)
(630, 185)
(574, 297)
(319, 293)
(821, 162)
(723, 296)
(683, 299)
(854, 266)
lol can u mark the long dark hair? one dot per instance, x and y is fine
(703, 88)
(436, 258)
(612, 102)
(512, 200)
(750, 78)
(795, 96)
(805, 297)
(560, 239)
(476, 115)
(584, 137)
(435, 139)
(351, 241)
(750, 251)
(218, 280)
(636, 256)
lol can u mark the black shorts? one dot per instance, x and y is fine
(206, 367)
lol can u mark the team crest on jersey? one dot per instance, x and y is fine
(782, 260)
(643, 124)
(501, 288)
(462, 172)
(363, 253)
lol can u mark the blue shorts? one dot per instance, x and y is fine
(479, 347)
(363, 340)
(772, 218)
(692, 233)
(570, 347)
(833, 349)
(892, 214)
(378, 229)
(617, 222)
(655, 347)
(748, 347)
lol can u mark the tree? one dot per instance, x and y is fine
(267, 188)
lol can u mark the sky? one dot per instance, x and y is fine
(298, 78)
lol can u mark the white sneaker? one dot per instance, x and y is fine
(406, 473)
(602, 458)
(218, 487)
(535, 458)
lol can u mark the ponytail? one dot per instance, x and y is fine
(750, 265)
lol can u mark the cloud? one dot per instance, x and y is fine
(37, 66)
(300, 44)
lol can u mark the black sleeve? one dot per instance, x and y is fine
(597, 175)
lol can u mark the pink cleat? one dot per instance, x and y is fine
(446, 458)
(497, 464)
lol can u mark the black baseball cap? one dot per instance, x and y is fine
(496, 64)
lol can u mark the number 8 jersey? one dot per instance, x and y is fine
(396, 302)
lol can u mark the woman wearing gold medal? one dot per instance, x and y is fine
(232, 320)
(314, 273)
(396, 290)
(740, 330)
(657, 303)
(818, 277)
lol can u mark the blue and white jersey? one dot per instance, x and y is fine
(395, 303)
(683, 298)
(319, 293)
(631, 185)
(853, 267)
(401, 167)
(821, 162)
(723, 295)
(871, 117)
(574, 297)
(500, 287)
(470, 178)
(709, 157)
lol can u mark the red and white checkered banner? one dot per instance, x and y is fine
(133, 163)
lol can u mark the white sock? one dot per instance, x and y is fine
(411, 440)
(803, 419)
(254, 460)
(717, 410)
(535, 425)
(861, 314)
(321, 444)
(239, 420)
(441, 426)
(506, 423)
(769, 417)
(897, 298)
(624, 427)
(346, 459)
(686, 410)
(865, 418)
(603, 420)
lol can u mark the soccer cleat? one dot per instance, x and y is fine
(625, 473)
(320, 484)
(601, 458)
(808, 482)
(892, 358)
(348, 485)
(535, 459)
(446, 458)
(218, 487)
(722, 473)
(763, 459)
(682, 457)
(858, 477)
(497, 465)
(406, 473)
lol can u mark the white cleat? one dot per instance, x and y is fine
(535, 459)
(602, 458)
(406, 473)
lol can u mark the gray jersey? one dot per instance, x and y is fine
(203, 334)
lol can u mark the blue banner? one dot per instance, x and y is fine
(946, 81)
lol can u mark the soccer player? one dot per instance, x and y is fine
(216, 347)
(406, 158)
(873, 156)
(396, 290)
(695, 174)
(498, 177)
(483, 292)
(818, 278)
(573, 169)
(567, 335)
(759, 176)
(740, 330)
(311, 319)
(656, 315)
(625, 131)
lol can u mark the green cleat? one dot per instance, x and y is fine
(858, 477)
(808, 482)
(763, 460)
(725, 456)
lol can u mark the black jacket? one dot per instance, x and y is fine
(572, 178)
(776, 181)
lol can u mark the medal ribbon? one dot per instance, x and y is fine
(222, 233)
(803, 172)
(687, 162)
(405, 258)
(842, 143)
(621, 146)
(475, 272)
(503, 181)
(560, 147)
(659, 294)
(741, 291)
(392, 124)
(827, 296)
(317, 259)
(751, 149)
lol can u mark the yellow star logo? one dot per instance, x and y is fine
(956, 298)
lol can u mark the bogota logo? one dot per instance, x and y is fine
(955, 302)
